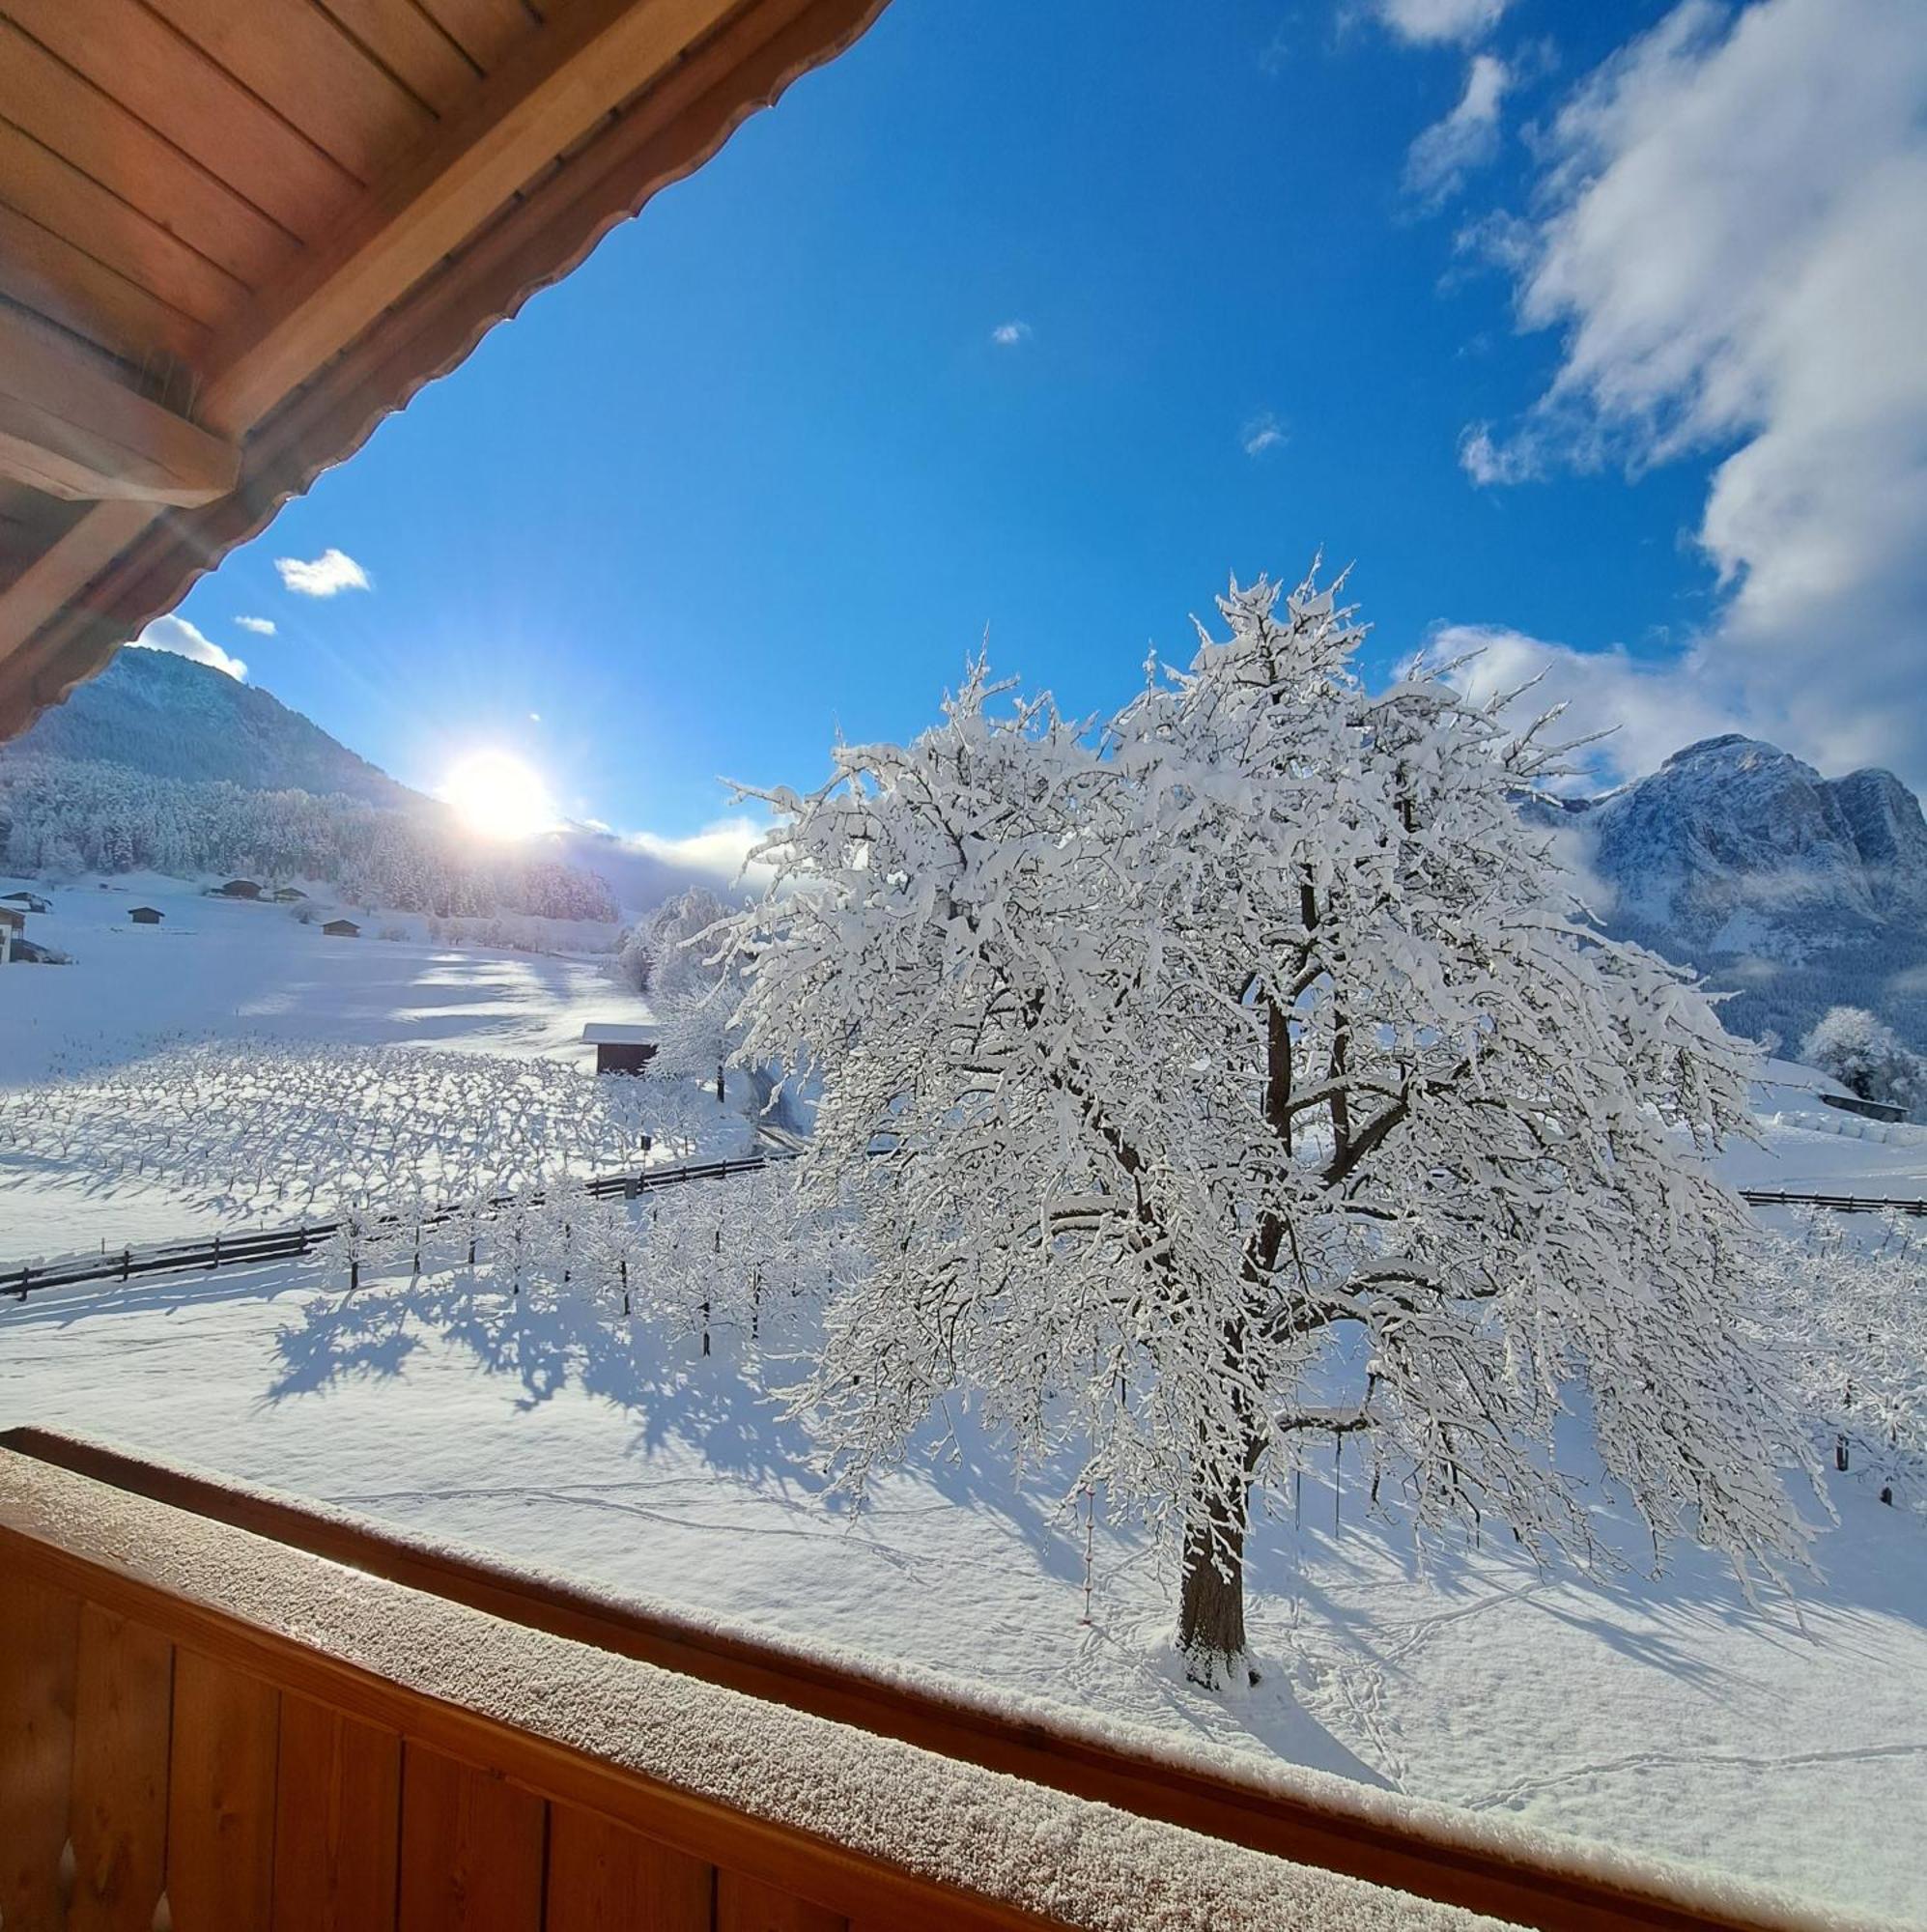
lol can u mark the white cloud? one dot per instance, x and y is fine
(262, 627)
(1467, 138)
(720, 848)
(333, 571)
(1651, 709)
(1729, 238)
(177, 636)
(1261, 433)
(1432, 21)
(1007, 334)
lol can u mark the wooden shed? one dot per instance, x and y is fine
(239, 889)
(342, 928)
(146, 915)
(233, 237)
(623, 1046)
(26, 902)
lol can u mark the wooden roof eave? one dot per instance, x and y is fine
(128, 560)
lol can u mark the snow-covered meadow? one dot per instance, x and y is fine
(235, 1068)
(1783, 1740)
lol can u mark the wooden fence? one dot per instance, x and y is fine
(278, 1245)
(223, 1755)
(1843, 1203)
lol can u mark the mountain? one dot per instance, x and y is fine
(1792, 892)
(64, 797)
(158, 712)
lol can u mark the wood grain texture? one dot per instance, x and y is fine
(488, 31)
(52, 191)
(46, 273)
(135, 58)
(296, 58)
(412, 46)
(471, 1849)
(337, 1820)
(604, 1878)
(40, 1638)
(44, 97)
(746, 1905)
(118, 1817)
(220, 1797)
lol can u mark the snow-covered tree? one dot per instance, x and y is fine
(1866, 1056)
(1844, 1308)
(694, 986)
(1239, 1072)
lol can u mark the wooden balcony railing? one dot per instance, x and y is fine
(224, 1708)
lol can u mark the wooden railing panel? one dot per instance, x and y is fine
(38, 1661)
(472, 1848)
(603, 1877)
(337, 1820)
(220, 1797)
(117, 1820)
(743, 1905)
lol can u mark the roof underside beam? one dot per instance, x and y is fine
(69, 428)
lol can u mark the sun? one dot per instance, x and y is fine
(499, 796)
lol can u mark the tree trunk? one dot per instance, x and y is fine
(1210, 1617)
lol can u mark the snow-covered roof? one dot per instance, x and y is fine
(621, 1033)
(1064, 1859)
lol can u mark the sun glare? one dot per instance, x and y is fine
(499, 796)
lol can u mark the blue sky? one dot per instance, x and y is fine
(762, 470)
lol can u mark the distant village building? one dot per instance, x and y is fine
(342, 928)
(12, 925)
(288, 895)
(146, 915)
(26, 902)
(239, 889)
(623, 1046)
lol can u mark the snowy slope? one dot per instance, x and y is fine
(155, 712)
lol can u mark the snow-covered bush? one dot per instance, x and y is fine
(1866, 1056)
(1239, 1070)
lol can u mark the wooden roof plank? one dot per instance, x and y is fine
(413, 47)
(71, 431)
(42, 270)
(488, 30)
(63, 110)
(596, 56)
(181, 93)
(296, 58)
(56, 194)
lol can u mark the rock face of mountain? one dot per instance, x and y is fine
(1736, 846)
(1793, 892)
(152, 711)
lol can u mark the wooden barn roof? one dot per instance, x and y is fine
(235, 234)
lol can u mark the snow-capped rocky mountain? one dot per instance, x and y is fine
(1793, 891)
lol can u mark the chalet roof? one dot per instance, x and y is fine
(232, 239)
(133, 911)
(340, 925)
(621, 1033)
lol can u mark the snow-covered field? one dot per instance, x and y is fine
(227, 970)
(1786, 1741)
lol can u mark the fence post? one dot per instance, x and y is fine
(218, 1248)
(127, 1262)
(1840, 1452)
